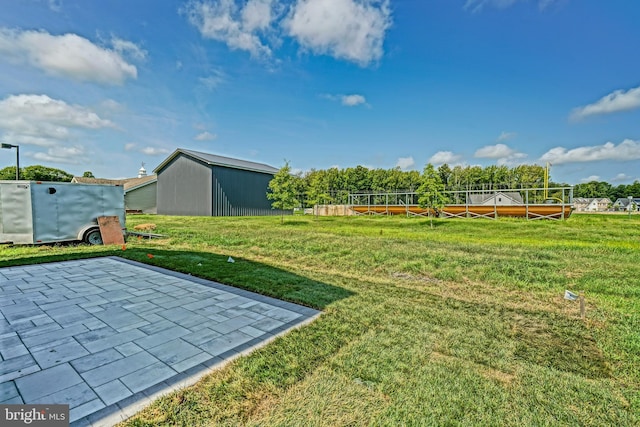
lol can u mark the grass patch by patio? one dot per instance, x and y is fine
(462, 324)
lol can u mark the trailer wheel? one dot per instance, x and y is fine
(92, 237)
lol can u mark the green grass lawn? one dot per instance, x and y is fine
(462, 324)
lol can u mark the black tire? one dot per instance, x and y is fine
(92, 237)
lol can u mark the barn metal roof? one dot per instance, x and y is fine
(214, 160)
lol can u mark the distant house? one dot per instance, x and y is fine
(195, 183)
(624, 204)
(496, 198)
(107, 181)
(591, 204)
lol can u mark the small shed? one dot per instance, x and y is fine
(140, 194)
(203, 184)
(499, 198)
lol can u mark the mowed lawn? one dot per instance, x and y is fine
(460, 324)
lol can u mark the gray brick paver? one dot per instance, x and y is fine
(232, 324)
(112, 392)
(192, 361)
(86, 409)
(11, 347)
(114, 340)
(105, 329)
(147, 376)
(118, 318)
(225, 342)
(161, 337)
(201, 336)
(63, 303)
(95, 360)
(64, 351)
(118, 369)
(174, 351)
(46, 382)
(34, 342)
(8, 390)
(17, 400)
(73, 396)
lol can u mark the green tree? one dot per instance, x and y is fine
(317, 188)
(36, 173)
(445, 173)
(88, 174)
(9, 173)
(282, 190)
(431, 191)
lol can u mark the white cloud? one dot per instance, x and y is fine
(590, 178)
(257, 15)
(205, 136)
(68, 155)
(55, 5)
(353, 100)
(347, 100)
(353, 30)
(68, 55)
(505, 136)
(614, 102)
(626, 150)
(40, 120)
(224, 21)
(213, 80)
(543, 4)
(442, 157)
(504, 154)
(478, 5)
(494, 151)
(125, 47)
(149, 150)
(405, 163)
(622, 177)
(111, 105)
(154, 151)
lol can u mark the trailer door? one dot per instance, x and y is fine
(15, 213)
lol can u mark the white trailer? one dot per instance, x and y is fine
(34, 212)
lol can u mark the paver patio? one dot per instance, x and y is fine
(107, 335)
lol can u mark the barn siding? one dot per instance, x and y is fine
(184, 188)
(238, 192)
(142, 198)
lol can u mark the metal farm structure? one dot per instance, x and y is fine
(530, 203)
(202, 184)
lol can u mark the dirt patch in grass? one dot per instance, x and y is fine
(325, 398)
(504, 378)
(558, 343)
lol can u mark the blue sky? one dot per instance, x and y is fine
(104, 86)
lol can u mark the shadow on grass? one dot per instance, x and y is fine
(541, 338)
(249, 275)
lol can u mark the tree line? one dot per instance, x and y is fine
(602, 189)
(333, 185)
